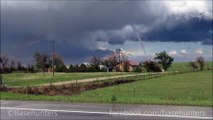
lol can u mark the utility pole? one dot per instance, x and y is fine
(53, 58)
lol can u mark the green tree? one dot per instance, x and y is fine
(137, 69)
(164, 59)
(76, 68)
(83, 68)
(61, 68)
(71, 68)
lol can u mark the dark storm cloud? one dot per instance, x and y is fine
(174, 29)
(28, 22)
(193, 30)
(116, 40)
(72, 19)
(77, 53)
(30, 26)
(71, 54)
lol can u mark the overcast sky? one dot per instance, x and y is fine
(82, 29)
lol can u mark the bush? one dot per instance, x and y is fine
(94, 68)
(3, 88)
(152, 66)
(113, 98)
(61, 68)
(137, 69)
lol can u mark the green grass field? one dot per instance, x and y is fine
(182, 89)
(184, 66)
(26, 79)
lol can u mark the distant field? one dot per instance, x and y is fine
(24, 79)
(183, 66)
(183, 89)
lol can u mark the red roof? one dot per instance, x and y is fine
(133, 63)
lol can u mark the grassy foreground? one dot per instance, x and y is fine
(26, 79)
(183, 89)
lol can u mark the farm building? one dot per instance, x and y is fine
(127, 66)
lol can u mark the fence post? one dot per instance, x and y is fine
(134, 94)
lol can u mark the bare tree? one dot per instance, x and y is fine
(58, 60)
(19, 65)
(113, 61)
(193, 65)
(42, 60)
(201, 62)
(12, 65)
(95, 61)
(30, 68)
(3, 63)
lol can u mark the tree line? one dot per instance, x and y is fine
(44, 63)
(8, 66)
